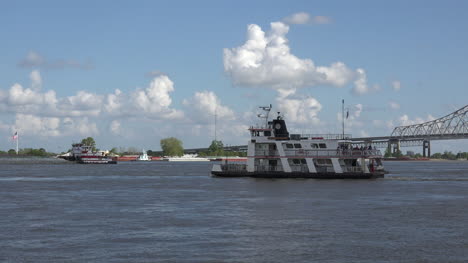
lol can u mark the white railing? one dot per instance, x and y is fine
(269, 168)
(352, 169)
(333, 153)
(325, 136)
(266, 153)
(234, 167)
(299, 168)
(325, 169)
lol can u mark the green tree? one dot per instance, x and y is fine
(448, 155)
(397, 154)
(462, 155)
(216, 148)
(172, 147)
(387, 153)
(11, 152)
(113, 150)
(90, 142)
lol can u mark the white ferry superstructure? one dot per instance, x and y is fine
(274, 153)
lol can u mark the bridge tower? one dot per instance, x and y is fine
(427, 146)
(393, 146)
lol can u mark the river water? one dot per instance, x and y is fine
(58, 211)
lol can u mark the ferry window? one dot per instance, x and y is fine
(303, 161)
(323, 145)
(324, 161)
(296, 161)
(297, 145)
(267, 133)
(289, 146)
(314, 145)
(272, 162)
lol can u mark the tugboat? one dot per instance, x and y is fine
(82, 153)
(274, 153)
(143, 157)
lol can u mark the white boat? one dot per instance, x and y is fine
(143, 157)
(186, 158)
(274, 153)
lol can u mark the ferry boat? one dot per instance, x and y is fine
(84, 154)
(274, 153)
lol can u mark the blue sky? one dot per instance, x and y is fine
(131, 73)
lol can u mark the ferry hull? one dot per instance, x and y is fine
(274, 175)
(97, 162)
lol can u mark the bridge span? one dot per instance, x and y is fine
(453, 126)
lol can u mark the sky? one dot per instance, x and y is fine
(130, 73)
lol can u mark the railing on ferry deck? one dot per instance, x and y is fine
(302, 168)
(294, 168)
(234, 167)
(352, 169)
(324, 136)
(321, 153)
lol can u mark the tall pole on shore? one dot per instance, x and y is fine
(342, 116)
(215, 120)
(17, 142)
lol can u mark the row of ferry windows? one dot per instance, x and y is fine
(299, 146)
(317, 161)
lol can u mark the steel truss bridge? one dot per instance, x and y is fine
(450, 127)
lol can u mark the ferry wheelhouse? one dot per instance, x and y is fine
(274, 153)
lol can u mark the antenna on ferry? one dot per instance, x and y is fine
(215, 116)
(267, 110)
(342, 115)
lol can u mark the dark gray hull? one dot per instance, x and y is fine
(299, 175)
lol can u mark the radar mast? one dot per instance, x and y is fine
(266, 114)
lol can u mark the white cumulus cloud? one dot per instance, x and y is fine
(20, 96)
(43, 126)
(82, 104)
(81, 126)
(115, 127)
(405, 120)
(265, 60)
(155, 100)
(113, 102)
(301, 110)
(204, 105)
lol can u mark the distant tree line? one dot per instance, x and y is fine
(447, 155)
(450, 156)
(28, 152)
(217, 149)
(174, 147)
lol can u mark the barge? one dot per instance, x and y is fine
(274, 153)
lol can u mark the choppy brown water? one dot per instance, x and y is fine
(54, 211)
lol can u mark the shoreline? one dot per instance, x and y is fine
(424, 160)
